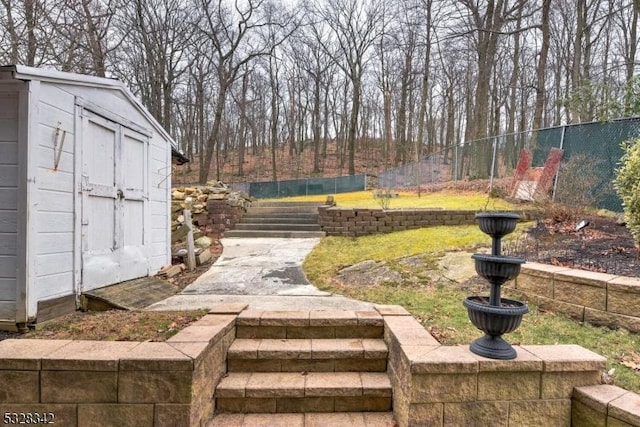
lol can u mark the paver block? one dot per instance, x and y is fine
(115, 415)
(279, 384)
(626, 408)
(285, 349)
(154, 386)
(233, 385)
(20, 386)
(87, 356)
(78, 387)
(333, 318)
(155, 356)
(535, 413)
(494, 414)
(16, 354)
(333, 384)
(244, 349)
(567, 357)
(284, 318)
(337, 349)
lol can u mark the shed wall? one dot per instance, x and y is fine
(53, 201)
(56, 201)
(8, 202)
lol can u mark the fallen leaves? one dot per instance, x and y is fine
(632, 361)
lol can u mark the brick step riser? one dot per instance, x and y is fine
(304, 404)
(274, 234)
(280, 219)
(285, 204)
(350, 419)
(277, 226)
(306, 332)
(278, 210)
(307, 365)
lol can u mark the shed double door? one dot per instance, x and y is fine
(114, 188)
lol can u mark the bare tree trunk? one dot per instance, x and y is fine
(424, 90)
(316, 125)
(541, 69)
(576, 66)
(353, 125)
(242, 132)
(31, 21)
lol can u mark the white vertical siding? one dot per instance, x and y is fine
(159, 195)
(8, 203)
(52, 205)
(117, 104)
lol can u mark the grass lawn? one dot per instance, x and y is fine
(447, 199)
(440, 308)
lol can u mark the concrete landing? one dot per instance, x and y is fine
(265, 273)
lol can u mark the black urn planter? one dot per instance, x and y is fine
(494, 315)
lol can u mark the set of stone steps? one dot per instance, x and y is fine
(297, 369)
(279, 219)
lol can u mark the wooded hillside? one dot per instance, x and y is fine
(399, 78)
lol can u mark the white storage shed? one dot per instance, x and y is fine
(84, 190)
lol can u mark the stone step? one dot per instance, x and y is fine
(284, 392)
(270, 203)
(315, 419)
(275, 234)
(310, 355)
(276, 226)
(281, 218)
(310, 209)
(256, 324)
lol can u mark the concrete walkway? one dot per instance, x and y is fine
(265, 273)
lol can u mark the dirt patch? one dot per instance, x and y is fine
(604, 245)
(117, 325)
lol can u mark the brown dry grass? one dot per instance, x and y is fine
(117, 325)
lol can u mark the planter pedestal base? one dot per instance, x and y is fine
(493, 348)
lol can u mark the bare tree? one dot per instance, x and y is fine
(356, 26)
(234, 36)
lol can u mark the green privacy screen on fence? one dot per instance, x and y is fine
(308, 186)
(596, 147)
(591, 154)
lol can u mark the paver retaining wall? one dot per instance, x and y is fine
(587, 296)
(361, 222)
(557, 385)
(91, 383)
(107, 383)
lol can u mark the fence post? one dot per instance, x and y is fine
(555, 180)
(493, 163)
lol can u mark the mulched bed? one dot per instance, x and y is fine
(604, 245)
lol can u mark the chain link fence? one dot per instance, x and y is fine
(307, 186)
(591, 154)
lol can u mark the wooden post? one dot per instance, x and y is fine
(191, 249)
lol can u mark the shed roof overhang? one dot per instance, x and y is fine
(21, 72)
